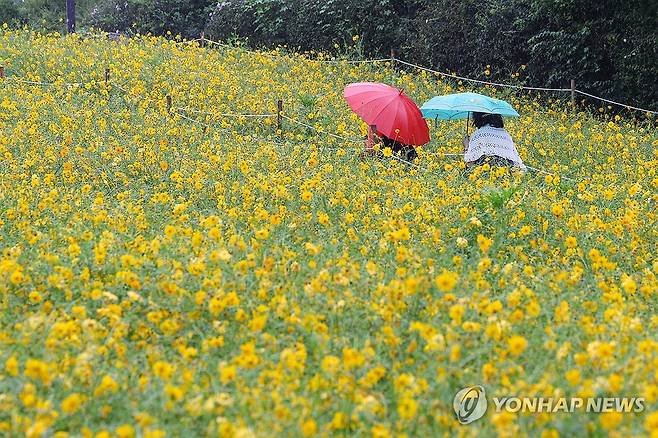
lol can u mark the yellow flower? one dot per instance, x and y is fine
(352, 358)
(455, 353)
(517, 345)
(16, 277)
(456, 313)
(339, 421)
(446, 281)
(611, 420)
(125, 431)
(330, 364)
(35, 297)
(380, 431)
(71, 403)
(651, 393)
(557, 210)
(309, 427)
(227, 373)
(11, 366)
(407, 408)
(629, 285)
(651, 422)
(573, 377)
(571, 242)
(484, 243)
(262, 234)
(163, 370)
(107, 385)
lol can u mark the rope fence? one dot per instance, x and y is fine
(270, 55)
(45, 84)
(452, 76)
(290, 119)
(193, 110)
(206, 125)
(612, 102)
(493, 84)
(351, 140)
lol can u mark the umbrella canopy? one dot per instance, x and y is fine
(393, 113)
(460, 105)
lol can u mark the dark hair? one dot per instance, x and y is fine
(493, 120)
(389, 142)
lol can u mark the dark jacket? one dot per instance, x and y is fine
(403, 151)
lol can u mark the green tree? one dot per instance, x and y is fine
(154, 16)
(608, 47)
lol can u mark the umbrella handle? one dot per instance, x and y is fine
(468, 120)
(370, 140)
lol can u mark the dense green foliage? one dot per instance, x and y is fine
(128, 16)
(39, 14)
(609, 47)
(156, 16)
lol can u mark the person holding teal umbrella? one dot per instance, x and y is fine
(490, 142)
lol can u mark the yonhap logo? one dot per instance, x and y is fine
(470, 404)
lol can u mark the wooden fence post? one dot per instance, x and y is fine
(394, 57)
(279, 110)
(202, 39)
(168, 103)
(2, 72)
(573, 92)
(107, 76)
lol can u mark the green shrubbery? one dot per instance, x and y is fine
(46, 15)
(186, 18)
(313, 24)
(608, 47)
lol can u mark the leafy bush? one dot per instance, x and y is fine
(609, 47)
(9, 12)
(154, 16)
(44, 15)
(313, 24)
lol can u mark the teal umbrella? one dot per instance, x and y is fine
(461, 105)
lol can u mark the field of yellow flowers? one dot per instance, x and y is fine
(183, 273)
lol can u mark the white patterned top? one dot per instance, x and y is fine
(489, 141)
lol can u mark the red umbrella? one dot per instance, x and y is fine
(393, 113)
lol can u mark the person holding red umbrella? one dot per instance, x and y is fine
(396, 119)
(403, 151)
